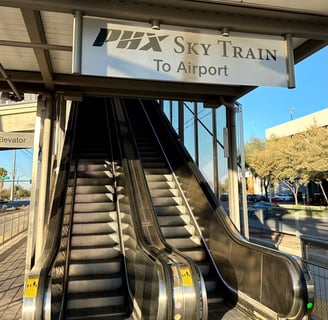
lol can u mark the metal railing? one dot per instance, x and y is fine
(12, 223)
(315, 256)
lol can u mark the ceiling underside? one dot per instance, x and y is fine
(36, 40)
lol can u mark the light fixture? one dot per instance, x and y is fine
(225, 32)
(155, 25)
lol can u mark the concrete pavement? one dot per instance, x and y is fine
(12, 269)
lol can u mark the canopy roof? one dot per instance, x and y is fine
(36, 40)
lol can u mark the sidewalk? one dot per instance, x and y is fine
(12, 269)
(282, 242)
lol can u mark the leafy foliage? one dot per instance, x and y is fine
(294, 160)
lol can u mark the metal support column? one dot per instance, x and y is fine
(215, 154)
(43, 205)
(196, 134)
(181, 121)
(232, 166)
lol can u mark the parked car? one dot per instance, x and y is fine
(269, 209)
(255, 197)
(282, 197)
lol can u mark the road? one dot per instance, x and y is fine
(300, 225)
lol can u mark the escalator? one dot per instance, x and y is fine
(243, 280)
(171, 210)
(103, 256)
(96, 278)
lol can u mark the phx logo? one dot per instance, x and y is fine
(134, 40)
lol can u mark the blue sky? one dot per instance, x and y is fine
(267, 107)
(262, 108)
(24, 159)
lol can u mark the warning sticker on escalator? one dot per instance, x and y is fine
(186, 277)
(31, 289)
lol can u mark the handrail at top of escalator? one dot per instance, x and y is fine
(37, 279)
(290, 269)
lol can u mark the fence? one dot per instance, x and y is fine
(315, 256)
(12, 223)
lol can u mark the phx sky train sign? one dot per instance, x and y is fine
(134, 50)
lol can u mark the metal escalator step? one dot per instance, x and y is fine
(174, 220)
(96, 154)
(152, 159)
(93, 166)
(86, 241)
(94, 228)
(158, 177)
(94, 189)
(157, 193)
(86, 217)
(95, 268)
(94, 302)
(81, 286)
(95, 174)
(167, 201)
(87, 254)
(178, 231)
(197, 254)
(161, 185)
(91, 161)
(94, 207)
(119, 312)
(184, 243)
(170, 210)
(94, 181)
(94, 197)
(155, 170)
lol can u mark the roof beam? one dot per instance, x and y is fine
(193, 14)
(35, 30)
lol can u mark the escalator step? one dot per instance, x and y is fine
(174, 220)
(170, 210)
(100, 313)
(95, 268)
(94, 197)
(178, 231)
(86, 217)
(184, 243)
(95, 174)
(161, 185)
(95, 303)
(159, 177)
(94, 207)
(94, 181)
(157, 193)
(94, 228)
(94, 189)
(197, 254)
(85, 286)
(167, 201)
(86, 241)
(88, 254)
(93, 166)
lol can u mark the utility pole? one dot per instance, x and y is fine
(13, 175)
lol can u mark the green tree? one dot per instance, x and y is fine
(260, 161)
(316, 155)
(290, 166)
(294, 161)
(3, 173)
